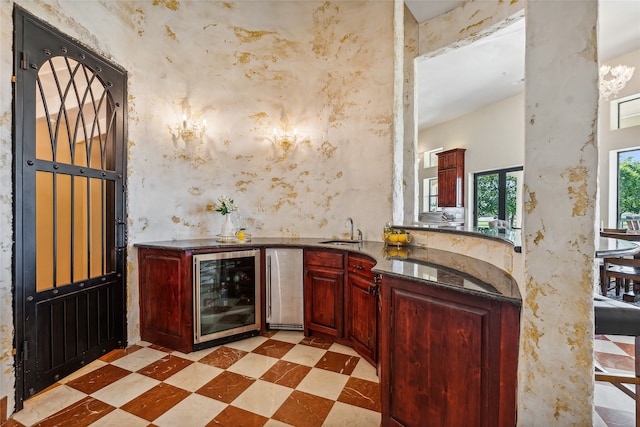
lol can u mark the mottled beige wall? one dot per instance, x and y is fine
(325, 68)
(557, 266)
(560, 178)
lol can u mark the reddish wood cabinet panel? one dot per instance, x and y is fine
(323, 292)
(451, 178)
(166, 295)
(446, 357)
(361, 316)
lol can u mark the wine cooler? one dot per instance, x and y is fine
(226, 289)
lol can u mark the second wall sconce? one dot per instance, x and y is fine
(189, 129)
(284, 139)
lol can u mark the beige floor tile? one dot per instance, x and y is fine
(139, 359)
(126, 389)
(276, 423)
(253, 365)
(47, 403)
(293, 337)
(96, 364)
(194, 411)
(346, 415)
(247, 344)
(304, 355)
(194, 376)
(365, 371)
(263, 398)
(119, 417)
(323, 383)
(339, 348)
(194, 355)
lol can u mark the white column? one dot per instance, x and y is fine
(560, 175)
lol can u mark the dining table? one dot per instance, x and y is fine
(610, 247)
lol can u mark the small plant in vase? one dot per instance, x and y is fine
(226, 206)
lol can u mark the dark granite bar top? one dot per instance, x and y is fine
(510, 235)
(607, 245)
(429, 266)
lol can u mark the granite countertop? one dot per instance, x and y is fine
(510, 235)
(429, 266)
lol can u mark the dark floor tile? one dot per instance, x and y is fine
(165, 367)
(81, 413)
(304, 410)
(223, 357)
(338, 362)
(362, 393)
(155, 402)
(269, 334)
(101, 377)
(12, 423)
(615, 361)
(318, 342)
(236, 417)
(226, 386)
(287, 374)
(119, 352)
(274, 348)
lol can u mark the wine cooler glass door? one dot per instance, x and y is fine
(226, 288)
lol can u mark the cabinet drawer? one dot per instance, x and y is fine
(361, 265)
(324, 259)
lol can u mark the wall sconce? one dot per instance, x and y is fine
(284, 139)
(190, 130)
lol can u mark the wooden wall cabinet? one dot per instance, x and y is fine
(361, 307)
(447, 358)
(323, 292)
(451, 178)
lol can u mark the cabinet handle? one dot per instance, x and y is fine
(358, 267)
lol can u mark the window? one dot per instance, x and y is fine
(625, 112)
(498, 195)
(429, 158)
(430, 196)
(628, 185)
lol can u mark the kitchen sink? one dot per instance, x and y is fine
(340, 242)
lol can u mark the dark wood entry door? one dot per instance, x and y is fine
(70, 164)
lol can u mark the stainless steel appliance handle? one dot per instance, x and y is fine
(268, 287)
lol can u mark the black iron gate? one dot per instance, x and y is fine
(70, 231)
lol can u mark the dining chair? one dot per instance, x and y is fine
(625, 271)
(633, 226)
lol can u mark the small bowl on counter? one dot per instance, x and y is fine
(396, 237)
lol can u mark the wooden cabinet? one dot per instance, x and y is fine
(451, 178)
(166, 298)
(323, 292)
(446, 357)
(361, 314)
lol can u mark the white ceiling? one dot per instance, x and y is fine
(465, 79)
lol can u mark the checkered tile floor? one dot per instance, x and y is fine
(278, 380)
(612, 406)
(283, 379)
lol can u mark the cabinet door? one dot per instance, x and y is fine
(441, 359)
(323, 306)
(166, 295)
(447, 188)
(361, 316)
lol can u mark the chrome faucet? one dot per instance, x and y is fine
(349, 223)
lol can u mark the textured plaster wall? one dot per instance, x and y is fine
(560, 176)
(324, 68)
(556, 272)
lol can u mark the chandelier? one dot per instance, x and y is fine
(620, 74)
